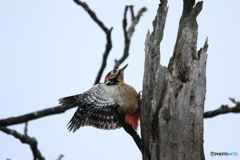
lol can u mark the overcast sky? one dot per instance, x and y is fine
(51, 49)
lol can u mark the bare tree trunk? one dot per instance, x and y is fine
(173, 98)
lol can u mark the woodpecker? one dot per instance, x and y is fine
(109, 105)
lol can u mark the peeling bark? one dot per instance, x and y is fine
(173, 98)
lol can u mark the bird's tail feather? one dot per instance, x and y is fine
(68, 101)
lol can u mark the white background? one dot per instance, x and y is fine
(51, 49)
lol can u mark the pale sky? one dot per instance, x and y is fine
(52, 49)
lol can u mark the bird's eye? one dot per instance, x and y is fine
(114, 71)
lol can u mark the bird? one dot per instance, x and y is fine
(109, 105)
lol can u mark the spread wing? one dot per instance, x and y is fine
(102, 119)
(94, 109)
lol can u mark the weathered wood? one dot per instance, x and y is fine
(173, 98)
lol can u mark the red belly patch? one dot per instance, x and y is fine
(132, 120)
(132, 115)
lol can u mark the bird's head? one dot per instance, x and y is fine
(116, 75)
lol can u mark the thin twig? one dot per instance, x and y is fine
(108, 47)
(124, 21)
(224, 109)
(25, 128)
(32, 142)
(234, 101)
(132, 12)
(128, 33)
(60, 157)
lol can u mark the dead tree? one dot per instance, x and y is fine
(173, 97)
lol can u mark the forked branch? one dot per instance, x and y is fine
(31, 141)
(128, 32)
(224, 109)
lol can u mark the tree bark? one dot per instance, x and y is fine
(173, 98)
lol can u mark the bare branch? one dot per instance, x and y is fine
(135, 22)
(140, 12)
(125, 33)
(124, 21)
(108, 47)
(132, 12)
(128, 33)
(107, 31)
(33, 115)
(92, 15)
(224, 109)
(31, 141)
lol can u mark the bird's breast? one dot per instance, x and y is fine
(127, 98)
(126, 95)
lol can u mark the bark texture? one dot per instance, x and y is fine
(173, 97)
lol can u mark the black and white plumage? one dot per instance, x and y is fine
(94, 109)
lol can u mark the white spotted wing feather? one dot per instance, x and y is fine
(94, 109)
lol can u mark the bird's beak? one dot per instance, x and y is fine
(122, 69)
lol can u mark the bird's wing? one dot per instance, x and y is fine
(94, 109)
(102, 119)
(95, 98)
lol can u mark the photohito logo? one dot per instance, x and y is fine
(223, 153)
